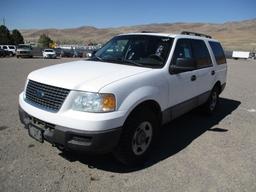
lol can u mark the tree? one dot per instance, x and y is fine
(44, 41)
(17, 38)
(5, 36)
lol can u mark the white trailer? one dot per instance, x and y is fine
(240, 54)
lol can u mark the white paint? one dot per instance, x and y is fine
(131, 85)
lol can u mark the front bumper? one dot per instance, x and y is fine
(72, 139)
(50, 56)
(24, 54)
(77, 120)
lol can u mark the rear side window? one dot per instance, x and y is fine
(201, 54)
(218, 52)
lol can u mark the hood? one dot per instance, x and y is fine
(84, 75)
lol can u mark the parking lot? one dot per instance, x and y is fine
(193, 153)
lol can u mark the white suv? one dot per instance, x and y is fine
(117, 100)
(10, 48)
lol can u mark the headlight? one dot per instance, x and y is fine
(94, 102)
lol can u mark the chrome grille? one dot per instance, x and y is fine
(46, 96)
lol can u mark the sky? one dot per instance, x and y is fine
(40, 14)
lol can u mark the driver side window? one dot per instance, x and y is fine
(182, 50)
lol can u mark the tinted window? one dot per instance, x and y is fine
(201, 53)
(218, 52)
(4, 47)
(182, 51)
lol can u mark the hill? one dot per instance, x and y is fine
(233, 35)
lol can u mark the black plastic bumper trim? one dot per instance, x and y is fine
(79, 140)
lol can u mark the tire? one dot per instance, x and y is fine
(210, 106)
(136, 140)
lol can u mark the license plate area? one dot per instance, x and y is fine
(36, 133)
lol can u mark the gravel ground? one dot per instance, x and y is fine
(194, 152)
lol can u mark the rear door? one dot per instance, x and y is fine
(205, 73)
(220, 60)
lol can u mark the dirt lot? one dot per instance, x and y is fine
(194, 152)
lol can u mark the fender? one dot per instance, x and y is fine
(143, 94)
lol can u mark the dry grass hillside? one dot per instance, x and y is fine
(233, 35)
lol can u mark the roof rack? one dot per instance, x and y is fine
(148, 32)
(195, 34)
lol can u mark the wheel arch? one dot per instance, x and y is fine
(218, 85)
(148, 105)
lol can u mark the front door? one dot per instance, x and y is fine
(182, 86)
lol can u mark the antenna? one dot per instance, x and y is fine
(148, 32)
(4, 21)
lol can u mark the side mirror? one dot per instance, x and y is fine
(182, 65)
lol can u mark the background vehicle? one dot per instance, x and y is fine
(79, 53)
(67, 53)
(117, 101)
(241, 54)
(58, 51)
(11, 49)
(3, 53)
(49, 53)
(24, 50)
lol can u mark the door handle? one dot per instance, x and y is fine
(193, 78)
(213, 72)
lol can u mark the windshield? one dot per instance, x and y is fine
(24, 47)
(139, 50)
(48, 50)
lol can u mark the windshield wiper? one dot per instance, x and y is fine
(133, 62)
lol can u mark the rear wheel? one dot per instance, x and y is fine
(212, 102)
(137, 137)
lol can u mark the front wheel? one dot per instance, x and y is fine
(137, 138)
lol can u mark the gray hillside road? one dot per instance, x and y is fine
(193, 153)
